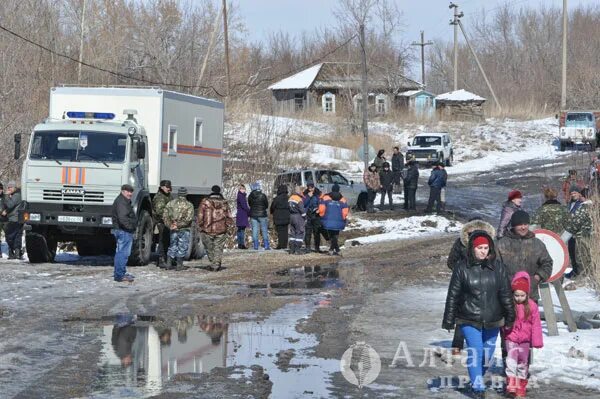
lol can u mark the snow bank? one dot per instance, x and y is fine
(398, 229)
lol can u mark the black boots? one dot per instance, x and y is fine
(15, 253)
(169, 265)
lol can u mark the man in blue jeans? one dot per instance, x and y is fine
(124, 224)
(258, 202)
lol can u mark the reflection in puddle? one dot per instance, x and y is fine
(308, 277)
(139, 358)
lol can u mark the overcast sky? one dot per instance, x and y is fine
(265, 16)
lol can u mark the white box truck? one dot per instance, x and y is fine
(98, 138)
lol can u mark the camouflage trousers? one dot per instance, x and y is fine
(214, 245)
(180, 243)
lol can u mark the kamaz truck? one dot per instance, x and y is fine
(579, 127)
(98, 138)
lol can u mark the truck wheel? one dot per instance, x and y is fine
(38, 249)
(142, 241)
(562, 146)
(450, 160)
(87, 248)
(441, 158)
(193, 237)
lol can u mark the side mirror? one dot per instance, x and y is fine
(351, 182)
(141, 150)
(17, 145)
(408, 143)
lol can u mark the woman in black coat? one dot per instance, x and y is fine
(479, 302)
(280, 210)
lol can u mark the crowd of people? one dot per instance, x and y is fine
(495, 278)
(379, 178)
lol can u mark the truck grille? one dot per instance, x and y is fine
(87, 196)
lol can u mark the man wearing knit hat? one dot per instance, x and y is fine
(178, 217)
(214, 219)
(514, 202)
(520, 250)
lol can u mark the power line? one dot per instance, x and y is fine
(114, 73)
(155, 83)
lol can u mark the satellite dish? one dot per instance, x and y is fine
(360, 152)
(558, 252)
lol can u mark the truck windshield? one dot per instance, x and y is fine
(427, 141)
(579, 117)
(78, 146)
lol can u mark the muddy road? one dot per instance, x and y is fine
(270, 325)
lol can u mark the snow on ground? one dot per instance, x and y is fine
(478, 147)
(553, 363)
(397, 229)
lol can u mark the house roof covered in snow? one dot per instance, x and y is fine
(300, 80)
(346, 75)
(459, 96)
(411, 93)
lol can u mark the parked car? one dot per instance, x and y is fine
(431, 147)
(324, 179)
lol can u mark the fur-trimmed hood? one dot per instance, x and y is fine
(473, 225)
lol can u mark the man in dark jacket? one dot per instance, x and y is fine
(397, 168)
(436, 183)
(159, 202)
(386, 179)
(3, 219)
(313, 220)
(124, 225)
(520, 250)
(259, 204)
(280, 210)
(14, 229)
(411, 181)
(242, 216)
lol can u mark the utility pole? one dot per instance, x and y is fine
(455, 22)
(422, 44)
(563, 95)
(81, 42)
(226, 37)
(364, 97)
(489, 85)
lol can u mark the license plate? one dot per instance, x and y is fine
(71, 219)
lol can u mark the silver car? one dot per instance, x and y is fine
(324, 179)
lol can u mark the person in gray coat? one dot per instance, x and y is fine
(14, 229)
(520, 250)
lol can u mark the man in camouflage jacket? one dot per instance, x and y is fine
(580, 227)
(159, 202)
(214, 219)
(552, 215)
(178, 216)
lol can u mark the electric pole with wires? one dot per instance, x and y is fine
(422, 43)
(455, 21)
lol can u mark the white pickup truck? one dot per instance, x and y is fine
(431, 147)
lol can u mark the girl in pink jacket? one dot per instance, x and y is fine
(524, 334)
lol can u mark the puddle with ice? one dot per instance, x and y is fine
(139, 358)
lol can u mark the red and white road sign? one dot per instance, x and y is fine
(558, 252)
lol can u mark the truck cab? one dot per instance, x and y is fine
(579, 127)
(431, 147)
(72, 174)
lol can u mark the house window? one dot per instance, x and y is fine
(198, 132)
(328, 101)
(299, 101)
(381, 102)
(172, 145)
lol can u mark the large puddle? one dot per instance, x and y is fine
(141, 355)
